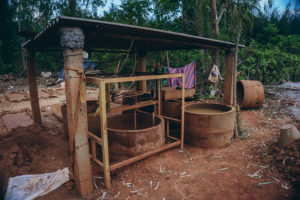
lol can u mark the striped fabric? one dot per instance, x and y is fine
(189, 75)
(172, 82)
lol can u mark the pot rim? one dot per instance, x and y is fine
(220, 104)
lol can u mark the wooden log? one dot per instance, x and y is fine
(288, 134)
(229, 78)
(33, 91)
(77, 120)
(142, 85)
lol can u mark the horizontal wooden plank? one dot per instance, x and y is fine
(133, 78)
(134, 106)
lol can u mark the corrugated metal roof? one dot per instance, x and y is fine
(109, 35)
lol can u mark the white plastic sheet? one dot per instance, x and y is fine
(28, 187)
(214, 75)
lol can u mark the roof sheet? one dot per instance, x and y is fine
(109, 35)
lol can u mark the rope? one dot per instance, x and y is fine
(77, 110)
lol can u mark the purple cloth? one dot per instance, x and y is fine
(189, 75)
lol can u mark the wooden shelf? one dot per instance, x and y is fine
(105, 107)
(131, 79)
(134, 106)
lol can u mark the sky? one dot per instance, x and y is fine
(280, 4)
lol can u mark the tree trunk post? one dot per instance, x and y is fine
(72, 41)
(142, 85)
(229, 77)
(33, 91)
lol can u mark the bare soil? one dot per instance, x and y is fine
(247, 169)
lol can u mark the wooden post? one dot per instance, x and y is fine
(159, 95)
(134, 118)
(33, 91)
(229, 73)
(168, 127)
(103, 125)
(94, 153)
(182, 112)
(108, 102)
(72, 40)
(142, 85)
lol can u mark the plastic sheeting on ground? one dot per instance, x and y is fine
(29, 187)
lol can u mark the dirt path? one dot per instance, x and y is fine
(234, 172)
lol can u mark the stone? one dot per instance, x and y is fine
(288, 134)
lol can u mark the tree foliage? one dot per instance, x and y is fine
(272, 37)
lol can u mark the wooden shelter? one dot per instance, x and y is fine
(73, 35)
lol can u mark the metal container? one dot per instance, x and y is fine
(209, 125)
(125, 141)
(250, 94)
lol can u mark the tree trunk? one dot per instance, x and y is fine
(237, 125)
(214, 30)
(72, 7)
(213, 17)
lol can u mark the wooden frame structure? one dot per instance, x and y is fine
(103, 141)
(72, 35)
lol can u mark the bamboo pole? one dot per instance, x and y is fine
(103, 125)
(159, 97)
(182, 111)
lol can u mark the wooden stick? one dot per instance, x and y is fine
(143, 112)
(98, 162)
(173, 138)
(168, 127)
(94, 137)
(143, 156)
(94, 149)
(108, 102)
(171, 119)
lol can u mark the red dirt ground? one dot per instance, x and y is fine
(193, 174)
